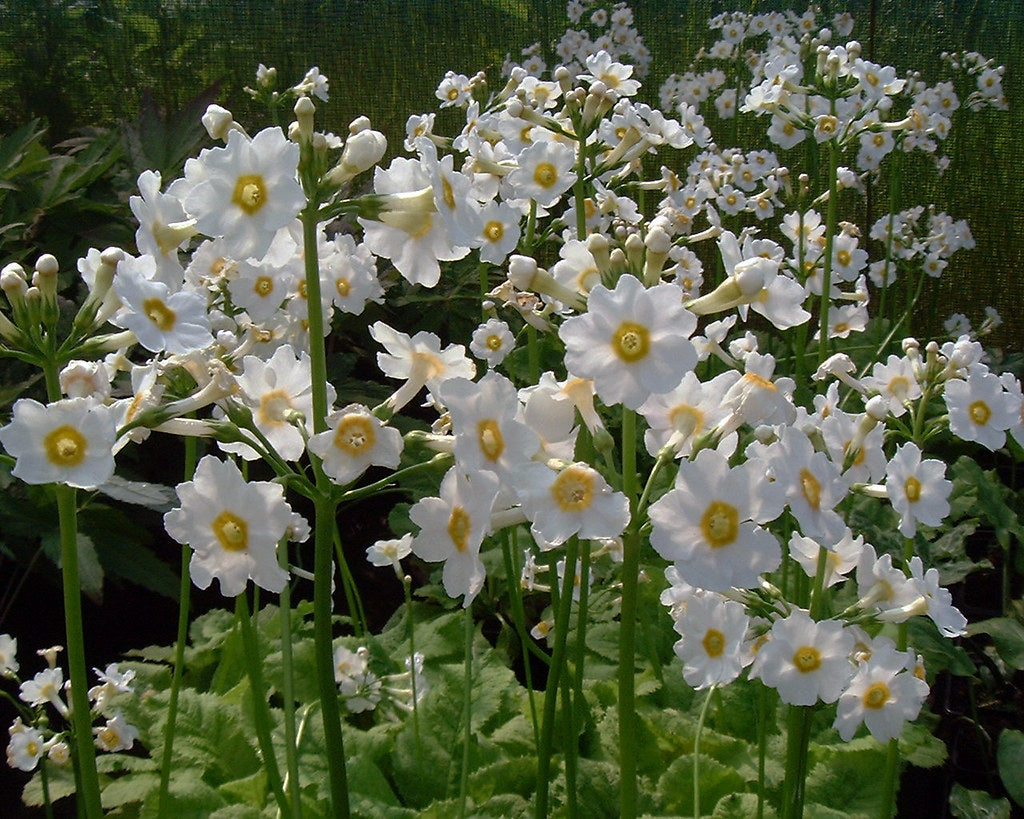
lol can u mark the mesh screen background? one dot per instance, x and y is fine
(90, 62)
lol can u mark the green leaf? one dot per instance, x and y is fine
(968, 804)
(60, 782)
(151, 495)
(740, 806)
(939, 652)
(919, 746)
(134, 787)
(1010, 759)
(847, 780)
(1007, 636)
(675, 787)
(992, 495)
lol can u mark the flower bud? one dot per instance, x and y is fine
(304, 111)
(363, 149)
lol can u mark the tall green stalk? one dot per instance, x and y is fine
(323, 531)
(87, 777)
(627, 626)
(184, 597)
(293, 786)
(831, 221)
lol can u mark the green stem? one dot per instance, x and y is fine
(323, 538)
(260, 709)
(467, 710)
(762, 745)
(627, 626)
(798, 730)
(407, 589)
(348, 584)
(292, 783)
(696, 752)
(547, 728)
(519, 618)
(184, 597)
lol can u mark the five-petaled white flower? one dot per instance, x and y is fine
(233, 526)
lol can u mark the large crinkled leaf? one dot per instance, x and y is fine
(847, 780)
(1010, 758)
(1007, 636)
(970, 804)
(675, 787)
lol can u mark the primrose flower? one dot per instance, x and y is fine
(116, 735)
(633, 342)
(980, 409)
(354, 441)
(245, 191)
(706, 523)
(805, 660)
(43, 688)
(25, 748)
(419, 361)
(8, 655)
(544, 172)
(69, 441)
(492, 341)
(162, 320)
(917, 488)
(884, 694)
(232, 525)
(712, 645)
(452, 528)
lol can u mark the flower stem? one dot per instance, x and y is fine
(292, 783)
(547, 727)
(696, 752)
(627, 627)
(323, 538)
(260, 710)
(831, 219)
(467, 711)
(184, 596)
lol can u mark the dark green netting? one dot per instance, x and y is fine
(91, 62)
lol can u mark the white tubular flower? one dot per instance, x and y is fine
(25, 748)
(162, 320)
(492, 341)
(545, 172)
(712, 646)
(884, 694)
(117, 735)
(69, 441)
(917, 489)
(981, 410)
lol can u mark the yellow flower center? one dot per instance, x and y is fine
(899, 387)
(447, 193)
(686, 420)
(488, 436)
(879, 140)
(354, 434)
(493, 231)
(631, 341)
(218, 265)
(273, 406)
(871, 78)
(343, 287)
(720, 524)
(545, 174)
(109, 738)
(756, 380)
(159, 313)
(912, 489)
(843, 257)
(65, 446)
(807, 659)
(730, 199)
(263, 286)
(979, 412)
(32, 748)
(231, 531)
(250, 193)
(573, 490)
(713, 642)
(811, 488)
(493, 342)
(876, 696)
(458, 528)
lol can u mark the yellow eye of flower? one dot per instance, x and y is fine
(250, 193)
(273, 407)
(720, 524)
(447, 193)
(545, 174)
(458, 528)
(231, 531)
(263, 286)
(807, 659)
(493, 342)
(573, 490)
(979, 412)
(493, 231)
(65, 446)
(811, 488)
(631, 341)
(713, 642)
(912, 489)
(159, 313)
(354, 434)
(343, 287)
(876, 696)
(488, 436)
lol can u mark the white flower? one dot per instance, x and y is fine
(418, 361)
(8, 655)
(706, 523)
(117, 735)
(161, 320)
(390, 552)
(632, 342)
(713, 631)
(980, 409)
(69, 441)
(25, 748)
(492, 341)
(884, 695)
(232, 525)
(948, 619)
(805, 660)
(917, 489)
(575, 500)
(245, 191)
(545, 172)
(354, 441)
(452, 528)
